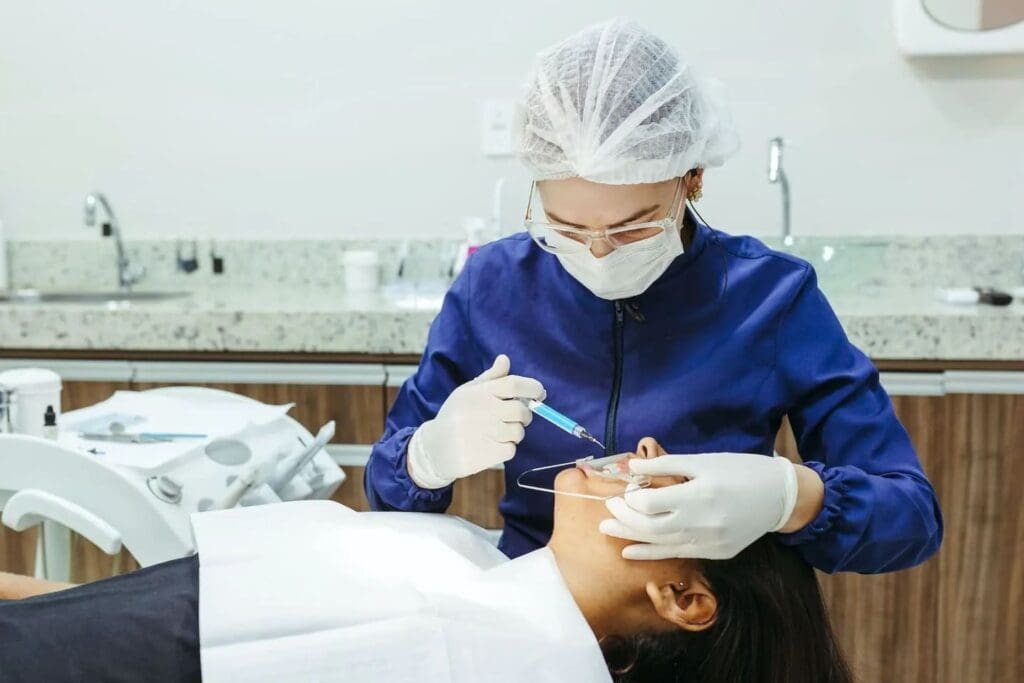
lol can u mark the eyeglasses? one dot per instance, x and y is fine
(612, 467)
(556, 238)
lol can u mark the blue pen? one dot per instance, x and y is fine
(561, 421)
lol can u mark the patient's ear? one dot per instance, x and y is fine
(689, 605)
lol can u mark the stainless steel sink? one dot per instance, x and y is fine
(33, 296)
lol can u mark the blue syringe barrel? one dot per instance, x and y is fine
(555, 417)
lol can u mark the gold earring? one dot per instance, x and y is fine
(697, 193)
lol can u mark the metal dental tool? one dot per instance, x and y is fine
(561, 421)
(612, 468)
(288, 469)
(125, 438)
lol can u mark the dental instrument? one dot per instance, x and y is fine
(122, 438)
(288, 469)
(612, 467)
(561, 421)
(238, 488)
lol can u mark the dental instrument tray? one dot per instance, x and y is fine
(205, 450)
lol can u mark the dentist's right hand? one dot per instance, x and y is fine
(478, 427)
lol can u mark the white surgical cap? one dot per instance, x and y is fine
(614, 104)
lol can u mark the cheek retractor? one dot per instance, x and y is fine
(614, 468)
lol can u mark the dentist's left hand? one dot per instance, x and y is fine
(729, 501)
(478, 426)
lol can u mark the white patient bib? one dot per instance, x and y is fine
(313, 591)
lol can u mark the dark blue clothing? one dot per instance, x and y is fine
(710, 358)
(142, 626)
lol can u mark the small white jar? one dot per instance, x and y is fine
(362, 270)
(34, 390)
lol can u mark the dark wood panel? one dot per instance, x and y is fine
(960, 616)
(89, 563)
(475, 498)
(981, 597)
(351, 492)
(76, 395)
(17, 551)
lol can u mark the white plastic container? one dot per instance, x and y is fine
(34, 390)
(362, 270)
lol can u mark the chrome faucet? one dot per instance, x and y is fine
(128, 273)
(776, 174)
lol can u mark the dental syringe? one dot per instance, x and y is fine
(561, 421)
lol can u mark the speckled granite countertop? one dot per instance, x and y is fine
(886, 323)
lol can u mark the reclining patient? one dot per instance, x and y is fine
(314, 591)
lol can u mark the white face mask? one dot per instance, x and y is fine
(628, 270)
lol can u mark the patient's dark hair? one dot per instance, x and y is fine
(771, 627)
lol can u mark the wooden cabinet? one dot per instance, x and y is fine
(959, 617)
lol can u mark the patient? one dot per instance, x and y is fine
(757, 617)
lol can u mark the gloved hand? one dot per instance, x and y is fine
(730, 500)
(479, 426)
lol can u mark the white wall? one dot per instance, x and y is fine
(319, 118)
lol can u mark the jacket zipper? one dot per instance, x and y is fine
(613, 403)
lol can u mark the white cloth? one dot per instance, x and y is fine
(312, 591)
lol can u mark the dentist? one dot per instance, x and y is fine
(634, 317)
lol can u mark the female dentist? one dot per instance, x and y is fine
(624, 311)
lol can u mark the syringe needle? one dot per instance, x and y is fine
(589, 437)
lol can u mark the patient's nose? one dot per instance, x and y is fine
(648, 447)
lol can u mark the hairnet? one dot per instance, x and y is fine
(614, 104)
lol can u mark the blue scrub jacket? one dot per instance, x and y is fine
(731, 338)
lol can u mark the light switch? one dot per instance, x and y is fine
(496, 121)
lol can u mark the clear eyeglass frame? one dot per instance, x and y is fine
(606, 468)
(556, 238)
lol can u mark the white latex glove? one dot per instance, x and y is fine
(730, 500)
(478, 427)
